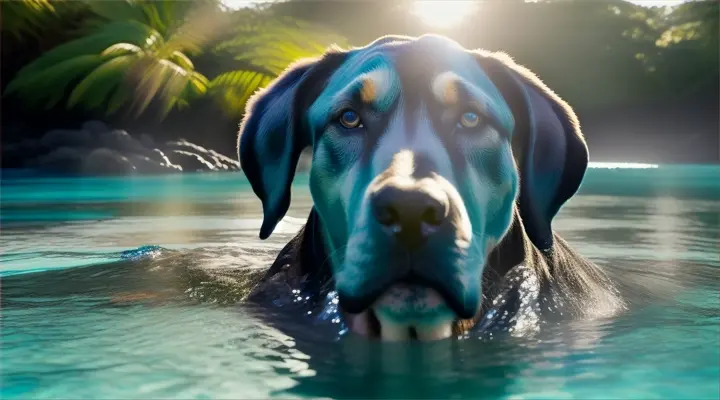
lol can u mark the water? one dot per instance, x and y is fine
(81, 318)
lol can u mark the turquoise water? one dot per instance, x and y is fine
(71, 328)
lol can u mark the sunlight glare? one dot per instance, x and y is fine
(238, 4)
(656, 3)
(616, 165)
(443, 14)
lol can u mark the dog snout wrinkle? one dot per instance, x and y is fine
(409, 214)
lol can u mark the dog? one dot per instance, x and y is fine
(436, 174)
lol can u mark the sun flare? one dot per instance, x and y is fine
(443, 14)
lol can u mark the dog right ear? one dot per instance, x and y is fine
(274, 132)
(548, 144)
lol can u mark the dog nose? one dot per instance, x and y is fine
(409, 214)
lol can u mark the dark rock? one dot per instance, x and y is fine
(97, 150)
(67, 160)
(184, 145)
(146, 140)
(95, 128)
(190, 161)
(17, 155)
(220, 161)
(160, 157)
(153, 155)
(66, 137)
(223, 161)
(124, 143)
(107, 162)
(144, 165)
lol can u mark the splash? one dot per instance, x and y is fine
(141, 252)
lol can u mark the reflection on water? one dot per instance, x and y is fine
(167, 326)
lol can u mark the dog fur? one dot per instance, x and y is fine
(529, 271)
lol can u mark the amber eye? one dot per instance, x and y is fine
(350, 119)
(469, 120)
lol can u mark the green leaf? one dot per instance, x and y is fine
(104, 78)
(49, 84)
(114, 10)
(198, 84)
(117, 32)
(122, 48)
(182, 60)
(121, 97)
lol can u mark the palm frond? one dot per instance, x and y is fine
(116, 11)
(263, 46)
(95, 88)
(27, 17)
(137, 52)
(233, 89)
(122, 49)
(198, 85)
(125, 61)
(131, 32)
(48, 86)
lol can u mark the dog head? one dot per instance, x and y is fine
(422, 150)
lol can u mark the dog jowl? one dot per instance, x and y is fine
(419, 151)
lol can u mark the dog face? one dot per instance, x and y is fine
(419, 148)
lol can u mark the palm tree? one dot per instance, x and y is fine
(138, 52)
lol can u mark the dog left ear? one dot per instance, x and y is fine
(274, 133)
(547, 142)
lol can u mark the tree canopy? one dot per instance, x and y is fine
(128, 54)
(185, 67)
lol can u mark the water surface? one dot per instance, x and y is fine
(81, 317)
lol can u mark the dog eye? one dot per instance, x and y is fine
(350, 119)
(469, 120)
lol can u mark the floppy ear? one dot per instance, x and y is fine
(547, 142)
(274, 132)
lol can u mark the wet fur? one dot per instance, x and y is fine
(563, 276)
(573, 284)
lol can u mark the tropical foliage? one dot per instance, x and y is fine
(128, 56)
(131, 54)
(597, 54)
(25, 18)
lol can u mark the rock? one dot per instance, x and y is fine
(95, 128)
(184, 145)
(160, 157)
(97, 150)
(145, 165)
(121, 141)
(107, 162)
(223, 161)
(67, 160)
(66, 137)
(190, 161)
(17, 155)
(146, 140)
(220, 161)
